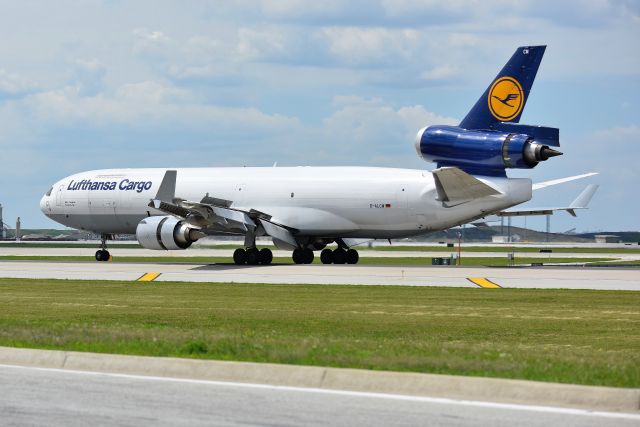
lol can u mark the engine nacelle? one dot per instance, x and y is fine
(480, 151)
(165, 233)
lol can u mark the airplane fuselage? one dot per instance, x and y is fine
(347, 202)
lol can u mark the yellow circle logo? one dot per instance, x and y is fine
(506, 98)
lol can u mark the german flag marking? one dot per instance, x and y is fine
(483, 283)
(148, 277)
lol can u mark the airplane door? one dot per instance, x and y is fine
(402, 201)
(59, 195)
(103, 211)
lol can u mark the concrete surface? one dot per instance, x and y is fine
(546, 277)
(68, 398)
(207, 252)
(487, 392)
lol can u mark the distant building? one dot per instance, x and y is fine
(607, 238)
(514, 238)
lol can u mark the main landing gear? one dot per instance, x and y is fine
(339, 256)
(252, 256)
(302, 256)
(103, 254)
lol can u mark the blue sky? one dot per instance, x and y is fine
(99, 84)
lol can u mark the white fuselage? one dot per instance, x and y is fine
(349, 202)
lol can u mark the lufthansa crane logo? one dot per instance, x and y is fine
(505, 99)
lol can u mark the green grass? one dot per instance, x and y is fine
(570, 336)
(621, 262)
(413, 261)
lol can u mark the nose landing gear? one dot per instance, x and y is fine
(103, 254)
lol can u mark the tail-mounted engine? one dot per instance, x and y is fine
(166, 232)
(487, 152)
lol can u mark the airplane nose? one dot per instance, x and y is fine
(45, 204)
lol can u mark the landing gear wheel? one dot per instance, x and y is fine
(239, 256)
(298, 256)
(266, 256)
(253, 256)
(307, 255)
(102, 255)
(352, 256)
(339, 256)
(326, 256)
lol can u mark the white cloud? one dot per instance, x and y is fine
(262, 44)
(150, 105)
(89, 76)
(395, 8)
(15, 84)
(355, 46)
(441, 72)
(359, 122)
(151, 43)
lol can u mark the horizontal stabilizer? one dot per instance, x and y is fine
(580, 202)
(455, 187)
(544, 184)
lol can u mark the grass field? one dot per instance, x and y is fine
(481, 261)
(585, 337)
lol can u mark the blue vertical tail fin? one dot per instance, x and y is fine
(506, 96)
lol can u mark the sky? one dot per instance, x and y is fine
(102, 84)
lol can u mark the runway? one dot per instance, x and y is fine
(544, 277)
(364, 253)
(36, 396)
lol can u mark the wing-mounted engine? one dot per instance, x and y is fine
(485, 152)
(165, 233)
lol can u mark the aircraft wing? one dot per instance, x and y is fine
(211, 211)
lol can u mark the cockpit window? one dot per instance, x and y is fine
(49, 192)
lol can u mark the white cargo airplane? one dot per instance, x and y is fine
(306, 208)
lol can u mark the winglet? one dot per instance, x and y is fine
(167, 190)
(582, 201)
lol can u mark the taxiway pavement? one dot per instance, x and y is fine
(609, 278)
(365, 253)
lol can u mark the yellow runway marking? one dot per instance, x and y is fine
(149, 277)
(482, 282)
